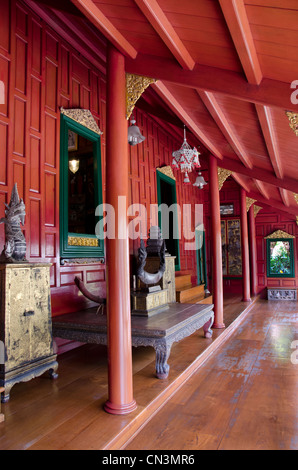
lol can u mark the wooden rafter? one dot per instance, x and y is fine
(171, 101)
(262, 175)
(236, 18)
(216, 112)
(261, 188)
(239, 179)
(284, 196)
(273, 203)
(81, 31)
(202, 77)
(56, 22)
(165, 30)
(265, 119)
(93, 13)
(2, 93)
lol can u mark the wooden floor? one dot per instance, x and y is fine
(244, 397)
(236, 390)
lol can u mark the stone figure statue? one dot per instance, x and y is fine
(14, 250)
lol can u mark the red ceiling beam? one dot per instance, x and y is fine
(265, 119)
(216, 112)
(93, 13)
(161, 24)
(236, 18)
(269, 92)
(273, 203)
(262, 175)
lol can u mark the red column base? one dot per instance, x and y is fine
(218, 326)
(114, 409)
(246, 300)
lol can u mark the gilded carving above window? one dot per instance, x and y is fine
(279, 234)
(167, 170)
(83, 117)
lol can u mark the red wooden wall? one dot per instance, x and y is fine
(42, 72)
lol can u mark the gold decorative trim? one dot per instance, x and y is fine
(223, 174)
(135, 87)
(83, 117)
(293, 119)
(249, 203)
(82, 241)
(279, 234)
(257, 210)
(167, 170)
(296, 197)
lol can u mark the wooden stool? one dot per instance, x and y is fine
(1, 414)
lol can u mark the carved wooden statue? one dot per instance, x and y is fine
(15, 244)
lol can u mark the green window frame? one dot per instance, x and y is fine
(172, 186)
(89, 245)
(291, 263)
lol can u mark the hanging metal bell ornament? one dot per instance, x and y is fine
(200, 181)
(134, 134)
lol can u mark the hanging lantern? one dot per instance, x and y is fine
(74, 165)
(200, 182)
(186, 159)
(134, 134)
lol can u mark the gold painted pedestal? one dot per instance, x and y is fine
(25, 324)
(149, 303)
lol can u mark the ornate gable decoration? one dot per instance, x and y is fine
(257, 209)
(135, 87)
(249, 203)
(223, 174)
(83, 117)
(167, 170)
(293, 120)
(279, 234)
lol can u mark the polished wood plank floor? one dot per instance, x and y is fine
(247, 385)
(244, 397)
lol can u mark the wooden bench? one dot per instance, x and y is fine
(159, 331)
(1, 414)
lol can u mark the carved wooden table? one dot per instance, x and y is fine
(159, 331)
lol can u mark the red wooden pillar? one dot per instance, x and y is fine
(118, 280)
(217, 279)
(253, 250)
(244, 248)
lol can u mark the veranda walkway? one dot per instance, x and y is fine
(244, 397)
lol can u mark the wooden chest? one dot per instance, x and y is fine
(25, 324)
